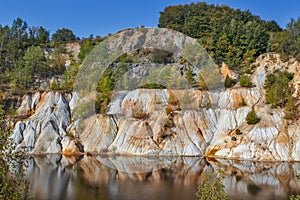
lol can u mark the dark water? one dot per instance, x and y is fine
(98, 177)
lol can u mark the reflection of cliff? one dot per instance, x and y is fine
(48, 177)
(259, 180)
(175, 178)
(96, 177)
(56, 177)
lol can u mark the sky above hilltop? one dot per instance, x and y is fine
(100, 17)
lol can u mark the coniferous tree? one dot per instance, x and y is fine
(252, 117)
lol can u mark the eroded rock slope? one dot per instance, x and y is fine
(164, 122)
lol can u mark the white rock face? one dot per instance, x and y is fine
(26, 106)
(138, 124)
(293, 132)
(161, 122)
(99, 133)
(44, 130)
(209, 131)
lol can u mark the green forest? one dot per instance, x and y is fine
(232, 36)
(22, 59)
(30, 55)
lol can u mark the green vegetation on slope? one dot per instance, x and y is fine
(12, 185)
(287, 42)
(252, 118)
(22, 60)
(232, 36)
(245, 81)
(106, 85)
(279, 93)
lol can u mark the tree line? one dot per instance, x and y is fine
(22, 58)
(230, 35)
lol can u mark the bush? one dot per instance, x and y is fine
(202, 84)
(152, 86)
(168, 110)
(229, 82)
(160, 56)
(290, 108)
(85, 48)
(139, 114)
(243, 102)
(278, 89)
(126, 58)
(102, 102)
(238, 132)
(173, 101)
(295, 197)
(55, 86)
(252, 118)
(211, 187)
(189, 75)
(169, 123)
(245, 81)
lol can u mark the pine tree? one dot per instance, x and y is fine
(290, 108)
(252, 118)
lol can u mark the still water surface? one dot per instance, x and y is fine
(118, 178)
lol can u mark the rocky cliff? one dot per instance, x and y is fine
(148, 122)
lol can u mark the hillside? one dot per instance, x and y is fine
(249, 112)
(230, 35)
(138, 123)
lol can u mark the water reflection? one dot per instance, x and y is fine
(259, 180)
(98, 177)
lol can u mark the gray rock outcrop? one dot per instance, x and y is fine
(45, 129)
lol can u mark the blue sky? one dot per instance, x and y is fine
(100, 17)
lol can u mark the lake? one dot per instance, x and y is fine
(118, 177)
